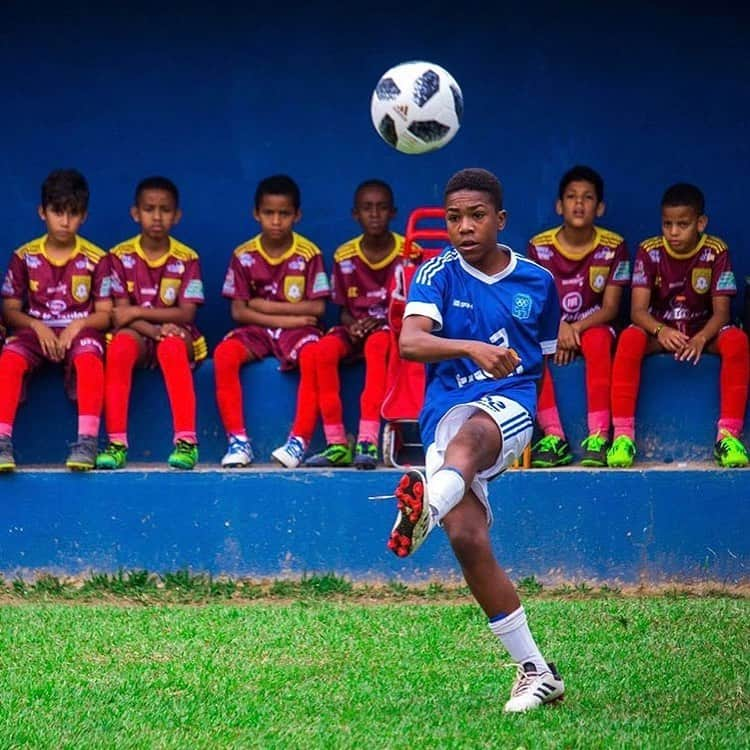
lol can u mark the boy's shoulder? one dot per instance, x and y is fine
(715, 243)
(604, 237)
(545, 238)
(353, 246)
(608, 238)
(300, 245)
(177, 249)
(32, 247)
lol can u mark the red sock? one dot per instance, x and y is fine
(373, 392)
(626, 379)
(330, 351)
(547, 414)
(596, 346)
(733, 379)
(307, 394)
(229, 356)
(172, 354)
(122, 355)
(89, 392)
(13, 367)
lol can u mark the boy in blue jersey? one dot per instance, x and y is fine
(482, 318)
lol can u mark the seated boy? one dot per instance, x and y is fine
(362, 272)
(278, 287)
(591, 267)
(56, 304)
(157, 286)
(682, 288)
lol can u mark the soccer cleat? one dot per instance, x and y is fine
(239, 454)
(532, 689)
(291, 453)
(336, 454)
(7, 462)
(729, 452)
(414, 520)
(184, 455)
(82, 455)
(621, 453)
(365, 455)
(550, 451)
(595, 450)
(114, 456)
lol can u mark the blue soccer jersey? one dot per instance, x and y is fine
(517, 308)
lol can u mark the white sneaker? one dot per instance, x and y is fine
(414, 520)
(532, 688)
(238, 455)
(291, 453)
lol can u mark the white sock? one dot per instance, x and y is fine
(446, 488)
(513, 632)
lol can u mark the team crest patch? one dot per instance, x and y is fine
(168, 290)
(701, 280)
(521, 306)
(80, 288)
(726, 282)
(294, 288)
(598, 277)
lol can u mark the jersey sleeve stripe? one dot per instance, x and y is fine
(549, 347)
(427, 310)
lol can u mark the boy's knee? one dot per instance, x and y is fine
(170, 349)
(469, 540)
(229, 353)
(307, 355)
(733, 342)
(11, 361)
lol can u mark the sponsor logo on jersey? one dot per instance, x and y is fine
(247, 260)
(622, 271)
(294, 288)
(521, 308)
(572, 302)
(128, 261)
(321, 283)
(168, 290)
(33, 285)
(229, 285)
(296, 264)
(57, 306)
(605, 254)
(463, 304)
(543, 252)
(726, 282)
(701, 280)
(573, 281)
(80, 288)
(346, 266)
(194, 290)
(81, 264)
(177, 267)
(106, 287)
(377, 293)
(598, 277)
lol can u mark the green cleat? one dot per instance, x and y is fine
(336, 454)
(114, 456)
(595, 450)
(621, 453)
(184, 455)
(730, 453)
(550, 451)
(365, 455)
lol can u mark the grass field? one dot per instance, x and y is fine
(341, 670)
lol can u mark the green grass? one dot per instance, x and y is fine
(332, 670)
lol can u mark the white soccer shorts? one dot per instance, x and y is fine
(515, 425)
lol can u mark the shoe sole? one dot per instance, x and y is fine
(593, 463)
(236, 465)
(7, 467)
(289, 463)
(79, 466)
(365, 464)
(412, 522)
(549, 465)
(619, 464)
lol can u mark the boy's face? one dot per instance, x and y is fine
(62, 223)
(156, 212)
(579, 206)
(473, 222)
(373, 210)
(682, 227)
(277, 216)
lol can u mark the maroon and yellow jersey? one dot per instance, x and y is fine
(582, 279)
(682, 286)
(173, 278)
(362, 288)
(57, 293)
(298, 274)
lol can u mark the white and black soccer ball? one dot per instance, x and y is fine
(417, 107)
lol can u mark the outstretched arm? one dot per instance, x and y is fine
(418, 343)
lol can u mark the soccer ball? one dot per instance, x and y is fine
(417, 107)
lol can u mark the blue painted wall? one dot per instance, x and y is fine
(626, 526)
(219, 96)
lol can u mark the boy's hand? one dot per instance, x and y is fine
(361, 328)
(692, 351)
(124, 315)
(65, 341)
(48, 341)
(171, 329)
(671, 339)
(568, 344)
(496, 361)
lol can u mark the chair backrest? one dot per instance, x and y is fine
(421, 233)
